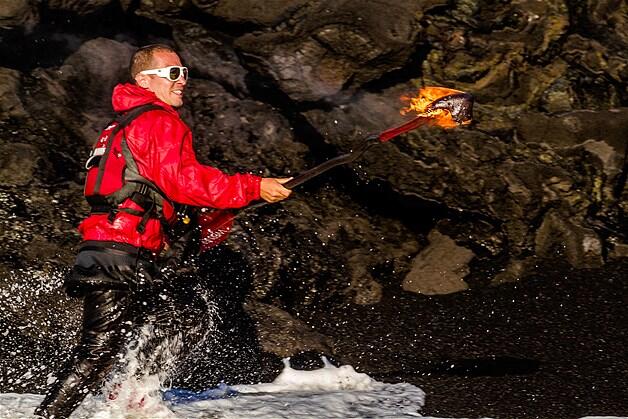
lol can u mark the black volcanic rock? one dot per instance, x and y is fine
(22, 14)
(80, 7)
(346, 45)
(267, 14)
(209, 57)
(10, 104)
(241, 134)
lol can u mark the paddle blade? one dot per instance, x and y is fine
(215, 228)
(439, 106)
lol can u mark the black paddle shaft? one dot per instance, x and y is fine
(349, 157)
(315, 171)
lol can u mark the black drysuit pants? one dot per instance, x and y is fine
(105, 313)
(114, 283)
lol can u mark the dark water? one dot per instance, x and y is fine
(554, 345)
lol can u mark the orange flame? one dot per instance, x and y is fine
(426, 96)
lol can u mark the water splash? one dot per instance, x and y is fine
(329, 392)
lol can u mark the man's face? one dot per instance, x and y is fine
(170, 92)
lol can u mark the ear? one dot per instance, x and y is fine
(142, 80)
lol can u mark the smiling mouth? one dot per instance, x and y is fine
(178, 92)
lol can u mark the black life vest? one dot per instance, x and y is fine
(113, 176)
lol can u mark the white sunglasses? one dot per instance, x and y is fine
(172, 73)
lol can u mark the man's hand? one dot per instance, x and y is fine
(272, 190)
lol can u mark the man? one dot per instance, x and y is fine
(115, 266)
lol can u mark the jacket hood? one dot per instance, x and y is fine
(126, 96)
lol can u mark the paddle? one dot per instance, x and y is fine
(439, 106)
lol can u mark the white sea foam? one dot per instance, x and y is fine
(328, 392)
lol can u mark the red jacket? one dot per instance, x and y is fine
(161, 145)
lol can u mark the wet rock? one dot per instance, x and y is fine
(440, 268)
(365, 288)
(348, 44)
(28, 215)
(18, 14)
(486, 239)
(269, 13)
(558, 96)
(618, 250)
(350, 254)
(611, 160)
(208, 56)
(573, 128)
(508, 185)
(595, 57)
(581, 246)
(40, 248)
(597, 62)
(493, 67)
(525, 29)
(592, 65)
(503, 76)
(72, 103)
(240, 134)
(346, 125)
(594, 144)
(10, 103)
(514, 271)
(80, 7)
(537, 24)
(283, 335)
(611, 16)
(162, 10)
(89, 75)
(546, 22)
(18, 163)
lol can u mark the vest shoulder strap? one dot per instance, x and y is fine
(122, 122)
(141, 191)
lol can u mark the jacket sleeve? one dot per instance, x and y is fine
(170, 162)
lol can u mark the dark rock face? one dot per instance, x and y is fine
(78, 6)
(18, 14)
(349, 43)
(538, 180)
(211, 58)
